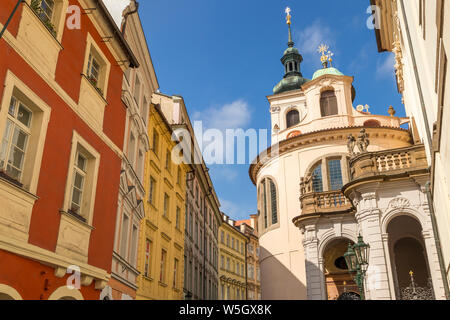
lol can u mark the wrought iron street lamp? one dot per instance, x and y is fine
(357, 259)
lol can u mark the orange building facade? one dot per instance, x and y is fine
(62, 124)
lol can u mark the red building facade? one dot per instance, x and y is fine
(62, 126)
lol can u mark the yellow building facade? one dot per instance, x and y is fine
(161, 242)
(232, 261)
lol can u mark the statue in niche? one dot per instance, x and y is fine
(363, 141)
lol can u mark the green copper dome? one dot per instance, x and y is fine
(324, 71)
(293, 78)
(289, 83)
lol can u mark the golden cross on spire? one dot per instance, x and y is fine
(288, 15)
(324, 58)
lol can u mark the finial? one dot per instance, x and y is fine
(324, 58)
(391, 111)
(288, 22)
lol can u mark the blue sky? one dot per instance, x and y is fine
(223, 57)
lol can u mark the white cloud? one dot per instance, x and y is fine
(310, 38)
(226, 173)
(233, 210)
(229, 116)
(386, 68)
(116, 8)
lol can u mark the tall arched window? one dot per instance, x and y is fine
(328, 103)
(267, 192)
(273, 201)
(292, 118)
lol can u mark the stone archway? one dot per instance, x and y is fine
(338, 281)
(408, 256)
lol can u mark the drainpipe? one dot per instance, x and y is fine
(416, 75)
(437, 240)
(10, 18)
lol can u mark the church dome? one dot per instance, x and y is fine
(290, 83)
(324, 71)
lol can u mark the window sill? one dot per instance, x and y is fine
(162, 284)
(148, 278)
(96, 89)
(77, 218)
(167, 219)
(52, 33)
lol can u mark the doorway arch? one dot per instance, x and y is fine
(339, 283)
(408, 255)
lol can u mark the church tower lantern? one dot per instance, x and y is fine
(293, 78)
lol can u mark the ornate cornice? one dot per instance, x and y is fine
(319, 137)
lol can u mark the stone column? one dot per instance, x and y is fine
(385, 238)
(314, 273)
(433, 264)
(368, 218)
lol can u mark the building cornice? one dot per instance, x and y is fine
(319, 137)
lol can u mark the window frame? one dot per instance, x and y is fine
(13, 86)
(93, 49)
(328, 110)
(265, 204)
(92, 176)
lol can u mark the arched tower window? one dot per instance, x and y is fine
(328, 103)
(292, 118)
(267, 192)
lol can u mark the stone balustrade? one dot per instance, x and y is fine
(324, 202)
(388, 162)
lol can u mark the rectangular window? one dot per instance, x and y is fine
(78, 184)
(177, 218)
(228, 240)
(335, 174)
(155, 141)
(222, 262)
(168, 160)
(131, 149)
(134, 242)
(93, 69)
(148, 245)
(137, 91)
(46, 12)
(175, 273)
(179, 176)
(221, 236)
(140, 165)
(124, 237)
(15, 139)
(152, 190)
(166, 205)
(232, 242)
(162, 276)
(228, 264)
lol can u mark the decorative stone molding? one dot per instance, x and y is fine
(399, 203)
(275, 109)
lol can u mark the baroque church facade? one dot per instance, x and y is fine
(335, 172)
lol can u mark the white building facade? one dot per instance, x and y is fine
(418, 33)
(334, 172)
